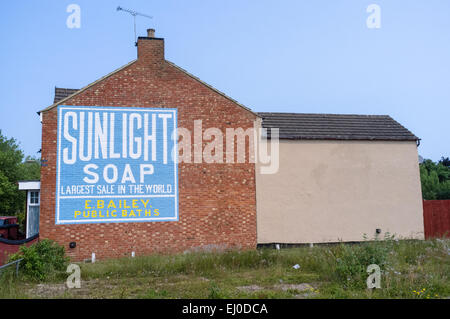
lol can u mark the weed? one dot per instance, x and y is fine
(41, 259)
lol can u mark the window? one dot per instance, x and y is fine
(34, 198)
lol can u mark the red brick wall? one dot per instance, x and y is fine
(217, 204)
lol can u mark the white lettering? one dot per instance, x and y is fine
(128, 175)
(70, 138)
(101, 135)
(145, 169)
(151, 137)
(106, 176)
(93, 174)
(135, 154)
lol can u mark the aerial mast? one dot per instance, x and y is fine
(134, 14)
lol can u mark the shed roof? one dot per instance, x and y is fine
(301, 126)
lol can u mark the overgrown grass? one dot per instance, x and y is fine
(333, 271)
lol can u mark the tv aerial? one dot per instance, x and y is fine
(134, 14)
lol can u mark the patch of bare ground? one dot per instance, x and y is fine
(60, 290)
(303, 290)
(250, 288)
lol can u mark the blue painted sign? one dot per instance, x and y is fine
(116, 164)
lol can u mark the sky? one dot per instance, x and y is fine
(310, 56)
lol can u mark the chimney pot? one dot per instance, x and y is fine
(151, 33)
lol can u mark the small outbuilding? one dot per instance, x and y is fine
(340, 178)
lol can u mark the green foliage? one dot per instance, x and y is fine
(10, 197)
(155, 294)
(214, 291)
(10, 158)
(445, 161)
(435, 178)
(41, 260)
(352, 261)
(30, 169)
(12, 170)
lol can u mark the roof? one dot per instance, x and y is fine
(211, 87)
(63, 94)
(300, 126)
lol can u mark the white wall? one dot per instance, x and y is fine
(327, 191)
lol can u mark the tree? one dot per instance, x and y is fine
(12, 169)
(31, 168)
(11, 157)
(435, 179)
(445, 161)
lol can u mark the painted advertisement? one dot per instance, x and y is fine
(116, 164)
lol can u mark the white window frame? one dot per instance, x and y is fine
(29, 204)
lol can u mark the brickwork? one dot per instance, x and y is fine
(217, 202)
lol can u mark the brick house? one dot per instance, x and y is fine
(217, 207)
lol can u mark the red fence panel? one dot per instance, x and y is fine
(436, 218)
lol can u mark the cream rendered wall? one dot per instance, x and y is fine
(328, 191)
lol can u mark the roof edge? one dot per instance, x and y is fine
(86, 87)
(212, 88)
(325, 114)
(302, 138)
(417, 138)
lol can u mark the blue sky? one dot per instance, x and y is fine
(284, 56)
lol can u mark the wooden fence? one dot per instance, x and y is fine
(436, 218)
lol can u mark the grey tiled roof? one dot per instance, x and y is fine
(61, 93)
(298, 126)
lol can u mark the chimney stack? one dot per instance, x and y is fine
(151, 49)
